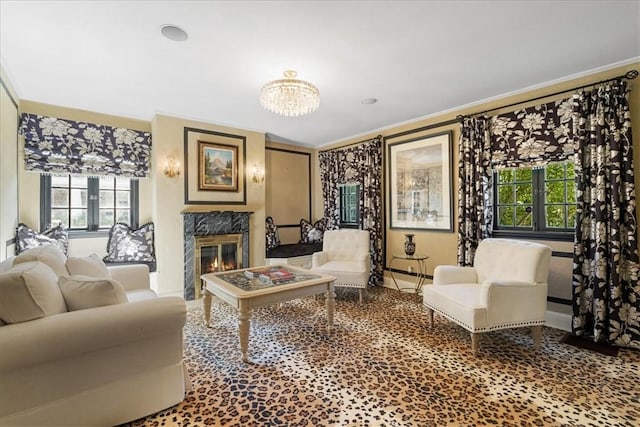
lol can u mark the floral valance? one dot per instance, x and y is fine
(533, 136)
(64, 146)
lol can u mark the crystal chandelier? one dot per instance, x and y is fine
(290, 97)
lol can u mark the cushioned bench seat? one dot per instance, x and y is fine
(294, 250)
(296, 254)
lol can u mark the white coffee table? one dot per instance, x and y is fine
(246, 294)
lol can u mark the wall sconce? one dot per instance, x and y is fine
(258, 174)
(171, 167)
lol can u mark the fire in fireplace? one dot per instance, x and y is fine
(215, 253)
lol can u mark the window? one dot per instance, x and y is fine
(349, 205)
(536, 200)
(88, 203)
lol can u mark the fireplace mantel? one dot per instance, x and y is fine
(209, 224)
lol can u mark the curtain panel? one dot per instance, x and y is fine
(475, 193)
(529, 137)
(330, 177)
(594, 129)
(360, 164)
(606, 269)
(54, 145)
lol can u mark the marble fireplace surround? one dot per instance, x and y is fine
(210, 224)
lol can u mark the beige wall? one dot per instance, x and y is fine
(289, 178)
(168, 196)
(442, 247)
(161, 198)
(8, 166)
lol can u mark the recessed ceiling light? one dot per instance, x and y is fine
(174, 33)
(368, 101)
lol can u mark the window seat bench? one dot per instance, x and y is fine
(152, 265)
(296, 254)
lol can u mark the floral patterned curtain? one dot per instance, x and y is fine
(534, 136)
(606, 269)
(360, 164)
(63, 146)
(474, 187)
(330, 178)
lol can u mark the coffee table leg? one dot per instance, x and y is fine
(206, 298)
(330, 298)
(244, 324)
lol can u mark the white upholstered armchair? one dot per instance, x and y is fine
(345, 256)
(505, 288)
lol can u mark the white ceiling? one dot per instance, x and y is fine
(417, 57)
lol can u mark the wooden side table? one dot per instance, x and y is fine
(421, 275)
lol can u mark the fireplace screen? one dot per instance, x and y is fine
(220, 252)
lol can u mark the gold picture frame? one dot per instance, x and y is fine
(217, 167)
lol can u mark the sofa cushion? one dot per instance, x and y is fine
(6, 264)
(464, 303)
(91, 266)
(48, 254)
(27, 238)
(29, 291)
(343, 266)
(82, 292)
(129, 245)
(141, 295)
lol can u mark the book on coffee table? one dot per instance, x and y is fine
(274, 274)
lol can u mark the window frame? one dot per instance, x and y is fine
(538, 230)
(93, 208)
(341, 209)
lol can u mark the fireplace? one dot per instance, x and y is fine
(214, 253)
(213, 240)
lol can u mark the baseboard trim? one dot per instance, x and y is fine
(406, 286)
(556, 320)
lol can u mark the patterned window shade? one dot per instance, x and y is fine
(534, 136)
(64, 146)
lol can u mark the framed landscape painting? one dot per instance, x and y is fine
(217, 167)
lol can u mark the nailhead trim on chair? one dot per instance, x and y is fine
(350, 285)
(493, 328)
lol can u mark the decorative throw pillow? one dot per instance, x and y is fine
(27, 238)
(311, 233)
(47, 254)
(29, 291)
(82, 292)
(272, 234)
(91, 266)
(129, 245)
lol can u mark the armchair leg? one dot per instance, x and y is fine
(430, 313)
(474, 343)
(206, 299)
(361, 295)
(536, 332)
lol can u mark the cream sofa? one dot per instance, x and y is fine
(505, 288)
(101, 366)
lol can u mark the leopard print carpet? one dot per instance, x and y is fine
(382, 366)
